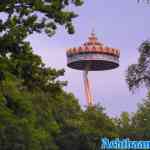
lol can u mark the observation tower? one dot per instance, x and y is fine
(92, 56)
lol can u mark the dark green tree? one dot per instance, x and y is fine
(141, 120)
(29, 90)
(139, 74)
(22, 18)
(124, 125)
(96, 125)
(85, 129)
(21, 127)
(35, 112)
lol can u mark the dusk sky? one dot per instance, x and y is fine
(122, 24)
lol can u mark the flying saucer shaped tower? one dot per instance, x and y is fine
(92, 56)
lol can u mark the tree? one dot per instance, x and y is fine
(141, 120)
(21, 19)
(35, 112)
(36, 120)
(30, 92)
(24, 17)
(139, 74)
(124, 125)
(96, 125)
(20, 123)
(84, 129)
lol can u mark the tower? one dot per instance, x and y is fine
(92, 56)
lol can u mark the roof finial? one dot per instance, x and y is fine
(93, 32)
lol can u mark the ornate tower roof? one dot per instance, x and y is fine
(92, 45)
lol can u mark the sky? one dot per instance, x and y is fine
(122, 24)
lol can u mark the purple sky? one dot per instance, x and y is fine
(122, 24)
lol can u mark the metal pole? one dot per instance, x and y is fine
(87, 87)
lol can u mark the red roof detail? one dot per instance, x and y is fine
(101, 49)
(74, 50)
(105, 49)
(97, 49)
(93, 48)
(110, 51)
(80, 49)
(93, 45)
(86, 48)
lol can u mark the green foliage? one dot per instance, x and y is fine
(139, 74)
(20, 126)
(96, 125)
(137, 125)
(84, 129)
(48, 120)
(141, 120)
(124, 125)
(24, 17)
(35, 112)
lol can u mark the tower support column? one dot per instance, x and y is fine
(87, 87)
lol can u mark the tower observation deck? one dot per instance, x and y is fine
(92, 56)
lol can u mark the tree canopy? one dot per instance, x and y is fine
(139, 74)
(35, 112)
(22, 18)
